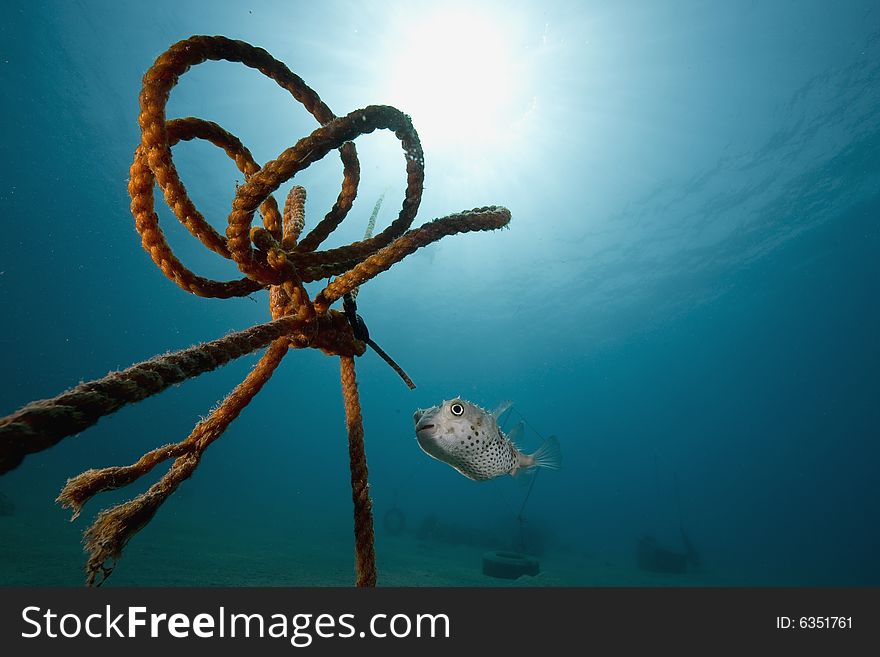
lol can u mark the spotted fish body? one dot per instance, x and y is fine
(468, 438)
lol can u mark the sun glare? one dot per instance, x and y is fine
(457, 75)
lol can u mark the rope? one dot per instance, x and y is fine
(365, 556)
(42, 424)
(368, 233)
(272, 256)
(113, 528)
(487, 218)
(520, 516)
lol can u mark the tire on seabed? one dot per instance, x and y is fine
(505, 564)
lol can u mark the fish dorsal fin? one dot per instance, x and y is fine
(515, 433)
(499, 410)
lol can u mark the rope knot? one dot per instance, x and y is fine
(331, 333)
(269, 256)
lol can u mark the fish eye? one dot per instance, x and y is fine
(457, 409)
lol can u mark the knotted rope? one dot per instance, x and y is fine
(270, 257)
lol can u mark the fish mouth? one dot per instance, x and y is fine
(424, 431)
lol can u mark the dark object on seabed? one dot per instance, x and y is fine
(509, 565)
(7, 508)
(651, 556)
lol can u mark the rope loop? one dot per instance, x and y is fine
(270, 256)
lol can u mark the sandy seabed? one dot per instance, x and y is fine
(49, 553)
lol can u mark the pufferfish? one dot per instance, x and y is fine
(468, 438)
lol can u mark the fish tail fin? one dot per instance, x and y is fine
(549, 455)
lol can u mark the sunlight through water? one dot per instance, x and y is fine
(460, 76)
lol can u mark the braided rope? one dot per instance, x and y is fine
(113, 528)
(272, 256)
(365, 556)
(42, 424)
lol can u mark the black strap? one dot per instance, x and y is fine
(359, 328)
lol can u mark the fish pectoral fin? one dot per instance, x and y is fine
(516, 433)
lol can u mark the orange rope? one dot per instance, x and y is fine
(41, 424)
(113, 528)
(365, 555)
(272, 256)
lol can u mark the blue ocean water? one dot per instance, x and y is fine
(687, 295)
